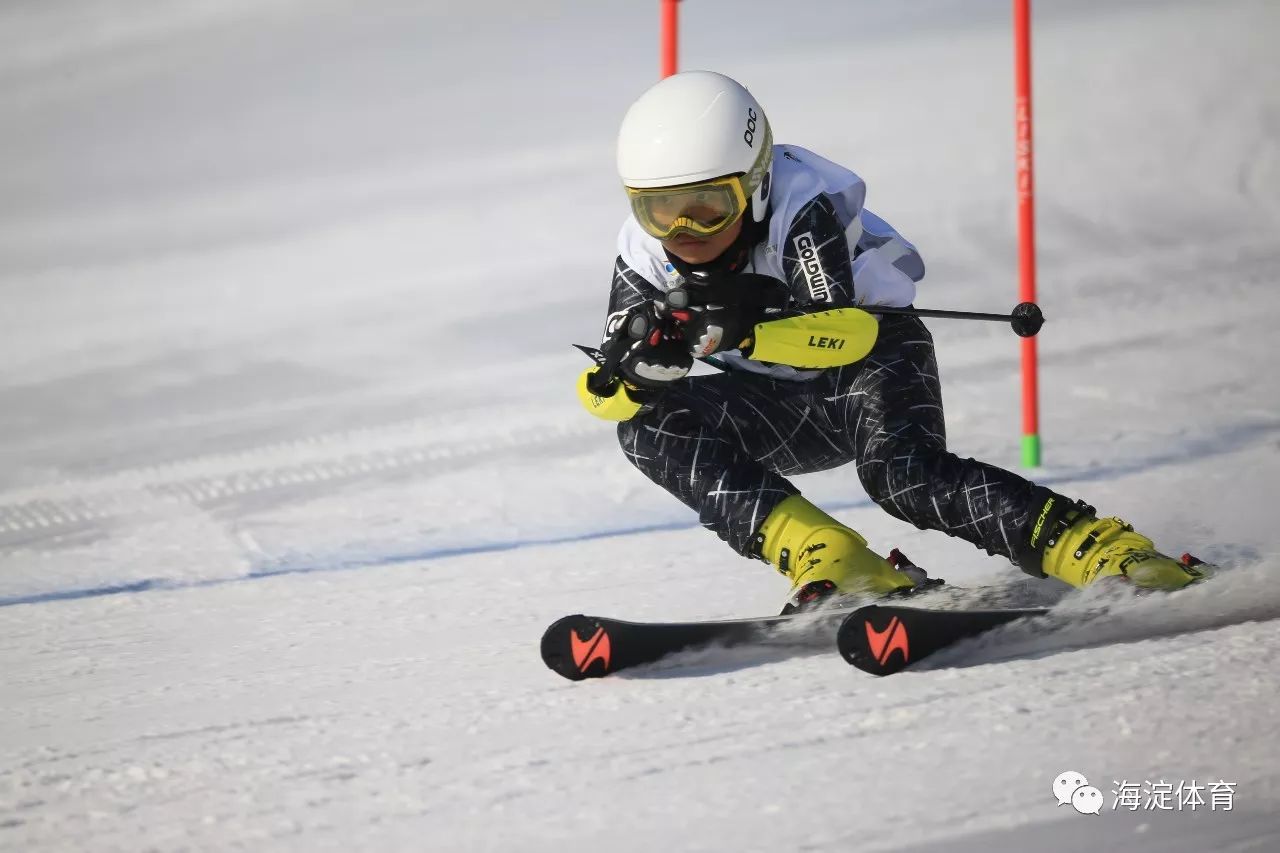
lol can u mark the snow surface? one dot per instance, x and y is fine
(292, 475)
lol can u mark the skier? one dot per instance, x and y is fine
(754, 257)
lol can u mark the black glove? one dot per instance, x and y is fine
(717, 313)
(645, 347)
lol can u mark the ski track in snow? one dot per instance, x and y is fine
(292, 477)
(210, 482)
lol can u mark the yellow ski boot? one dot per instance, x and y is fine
(823, 557)
(1069, 542)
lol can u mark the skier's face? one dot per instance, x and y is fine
(701, 250)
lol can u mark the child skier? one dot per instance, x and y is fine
(755, 257)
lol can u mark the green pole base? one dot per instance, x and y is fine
(1031, 451)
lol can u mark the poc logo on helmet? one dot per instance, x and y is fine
(814, 275)
(749, 135)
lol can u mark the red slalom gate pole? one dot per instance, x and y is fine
(670, 35)
(1026, 226)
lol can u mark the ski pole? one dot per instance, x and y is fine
(1026, 317)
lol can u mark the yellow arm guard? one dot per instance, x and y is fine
(617, 407)
(831, 338)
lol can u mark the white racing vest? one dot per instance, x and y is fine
(885, 266)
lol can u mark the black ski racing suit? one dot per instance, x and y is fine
(725, 444)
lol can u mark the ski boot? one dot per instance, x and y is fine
(1069, 542)
(822, 557)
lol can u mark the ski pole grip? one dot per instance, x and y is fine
(599, 384)
(1026, 319)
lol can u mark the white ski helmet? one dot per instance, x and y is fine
(695, 152)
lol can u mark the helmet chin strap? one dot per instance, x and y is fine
(734, 258)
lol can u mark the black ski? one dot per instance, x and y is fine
(879, 639)
(579, 647)
(882, 639)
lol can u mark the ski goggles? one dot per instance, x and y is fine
(702, 209)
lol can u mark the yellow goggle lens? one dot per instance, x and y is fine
(704, 209)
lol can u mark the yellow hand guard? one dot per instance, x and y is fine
(618, 406)
(831, 338)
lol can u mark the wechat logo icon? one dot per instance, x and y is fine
(1071, 788)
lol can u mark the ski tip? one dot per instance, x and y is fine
(883, 639)
(577, 647)
(875, 640)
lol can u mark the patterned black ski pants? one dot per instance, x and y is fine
(724, 445)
